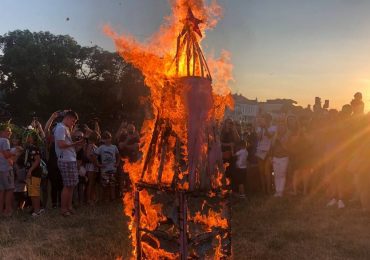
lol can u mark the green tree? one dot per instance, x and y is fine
(36, 66)
(41, 72)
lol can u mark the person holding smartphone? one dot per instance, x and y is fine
(67, 159)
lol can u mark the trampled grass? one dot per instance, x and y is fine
(263, 228)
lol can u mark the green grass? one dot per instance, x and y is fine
(263, 228)
(93, 233)
(296, 228)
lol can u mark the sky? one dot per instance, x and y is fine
(294, 49)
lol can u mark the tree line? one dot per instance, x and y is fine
(41, 72)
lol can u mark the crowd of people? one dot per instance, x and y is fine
(321, 152)
(73, 164)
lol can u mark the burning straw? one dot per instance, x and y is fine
(180, 192)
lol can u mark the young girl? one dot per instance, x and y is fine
(82, 181)
(241, 168)
(91, 168)
(32, 164)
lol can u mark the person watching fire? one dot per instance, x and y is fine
(109, 161)
(67, 161)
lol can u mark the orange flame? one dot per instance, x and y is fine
(155, 60)
(211, 220)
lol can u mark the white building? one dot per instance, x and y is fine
(245, 110)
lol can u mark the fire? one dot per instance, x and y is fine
(211, 220)
(155, 58)
(179, 140)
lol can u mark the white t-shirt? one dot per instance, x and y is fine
(241, 158)
(108, 157)
(62, 133)
(264, 142)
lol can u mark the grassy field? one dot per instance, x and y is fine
(288, 228)
(93, 233)
(296, 228)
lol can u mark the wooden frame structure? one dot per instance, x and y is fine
(184, 240)
(189, 52)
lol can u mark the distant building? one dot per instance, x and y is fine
(277, 107)
(245, 110)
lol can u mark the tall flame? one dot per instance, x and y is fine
(155, 59)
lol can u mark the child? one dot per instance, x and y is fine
(79, 189)
(109, 162)
(32, 164)
(241, 168)
(82, 180)
(91, 169)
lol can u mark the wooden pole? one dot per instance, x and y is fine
(194, 52)
(204, 61)
(183, 225)
(188, 54)
(152, 148)
(137, 222)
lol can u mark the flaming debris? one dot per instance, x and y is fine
(179, 207)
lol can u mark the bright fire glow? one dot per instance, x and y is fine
(155, 59)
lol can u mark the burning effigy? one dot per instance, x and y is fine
(179, 207)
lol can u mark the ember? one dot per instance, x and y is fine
(179, 207)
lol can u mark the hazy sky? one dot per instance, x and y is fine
(280, 48)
